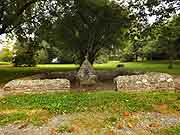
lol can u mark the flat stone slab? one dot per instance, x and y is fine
(46, 84)
(148, 81)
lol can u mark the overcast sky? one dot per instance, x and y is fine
(10, 42)
(2, 38)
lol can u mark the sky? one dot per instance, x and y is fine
(2, 38)
(5, 40)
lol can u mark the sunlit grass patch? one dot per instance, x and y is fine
(154, 66)
(4, 63)
(36, 117)
(12, 117)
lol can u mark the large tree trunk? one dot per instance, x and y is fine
(151, 56)
(136, 57)
(91, 59)
(171, 61)
(172, 55)
(91, 56)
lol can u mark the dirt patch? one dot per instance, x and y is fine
(97, 123)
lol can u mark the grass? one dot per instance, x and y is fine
(154, 66)
(169, 131)
(60, 103)
(4, 63)
(7, 72)
(8, 118)
(35, 116)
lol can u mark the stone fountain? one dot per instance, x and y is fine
(86, 74)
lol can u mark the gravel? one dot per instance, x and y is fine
(144, 120)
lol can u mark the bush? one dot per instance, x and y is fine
(42, 57)
(127, 58)
(103, 57)
(24, 54)
(6, 55)
(127, 54)
(24, 60)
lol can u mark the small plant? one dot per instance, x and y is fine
(63, 128)
(111, 121)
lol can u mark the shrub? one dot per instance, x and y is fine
(6, 55)
(24, 59)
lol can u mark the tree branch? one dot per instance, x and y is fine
(28, 4)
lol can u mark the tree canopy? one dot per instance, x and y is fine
(83, 26)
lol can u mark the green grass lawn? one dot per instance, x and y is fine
(155, 66)
(18, 107)
(4, 63)
(8, 72)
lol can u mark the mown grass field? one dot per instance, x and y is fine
(154, 66)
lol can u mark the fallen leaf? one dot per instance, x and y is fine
(119, 126)
(126, 114)
(54, 131)
(73, 129)
(130, 125)
(110, 133)
(23, 126)
(162, 108)
(155, 124)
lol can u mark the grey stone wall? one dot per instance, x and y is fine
(148, 81)
(46, 84)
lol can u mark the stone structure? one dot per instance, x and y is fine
(38, 85)
(86, 74)
(148, 81)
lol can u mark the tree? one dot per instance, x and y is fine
(14, 12)
(39, 18)
(25, 53)
(11, 12)
(91, 28)
(169, 40)
(6, 55)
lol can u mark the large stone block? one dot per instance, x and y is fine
(46, 84)
(148, 81)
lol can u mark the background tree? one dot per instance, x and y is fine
(6, 55)
(25, 53)
(169, 40)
